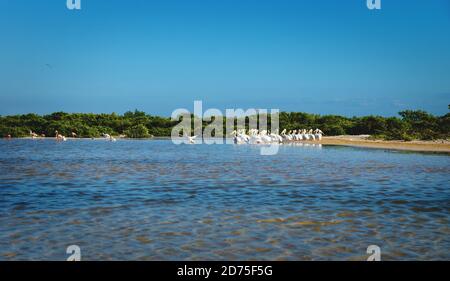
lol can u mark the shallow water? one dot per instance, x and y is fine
(153, 200)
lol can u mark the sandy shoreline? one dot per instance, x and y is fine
(355, 141)
(363, 141)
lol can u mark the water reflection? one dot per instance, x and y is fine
(153, 200)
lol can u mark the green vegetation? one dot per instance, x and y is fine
(137, 131)
(411, 125)
(137, 124)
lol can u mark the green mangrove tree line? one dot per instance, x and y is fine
(409, 125)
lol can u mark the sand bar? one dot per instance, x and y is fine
(442, 146)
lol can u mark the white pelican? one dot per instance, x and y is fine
(245, 136)
(276, 137)
(318, 133)
(264, 137)
(191, 139)
(300, 135)
(289, 135)
(284, 135)
(255, 138)
(306, 136)
(294, 135)
(311, 135)
(239, 137)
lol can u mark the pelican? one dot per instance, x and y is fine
(245, 136)
(255, 137)
(239, 137)
(276, 137)
(301, 134)
(264, 137)
(284, 135)
(289, 135)
(318, 133)
(294, 135)
(311, 135)
(306, 136)
(191, 139)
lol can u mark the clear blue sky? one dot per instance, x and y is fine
(318, 56)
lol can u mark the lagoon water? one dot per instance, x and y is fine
(153, 200)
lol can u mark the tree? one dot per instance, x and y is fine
(137, 131)
(396, 129)
(422, 124)
(137, 124)
(371, 125)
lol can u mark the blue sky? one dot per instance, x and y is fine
(318, 56)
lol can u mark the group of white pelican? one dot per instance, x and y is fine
(252, 136)
(255, 136)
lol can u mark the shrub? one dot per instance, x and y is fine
(137, 131)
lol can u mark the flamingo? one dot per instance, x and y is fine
(33, 135)
(58, 136)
